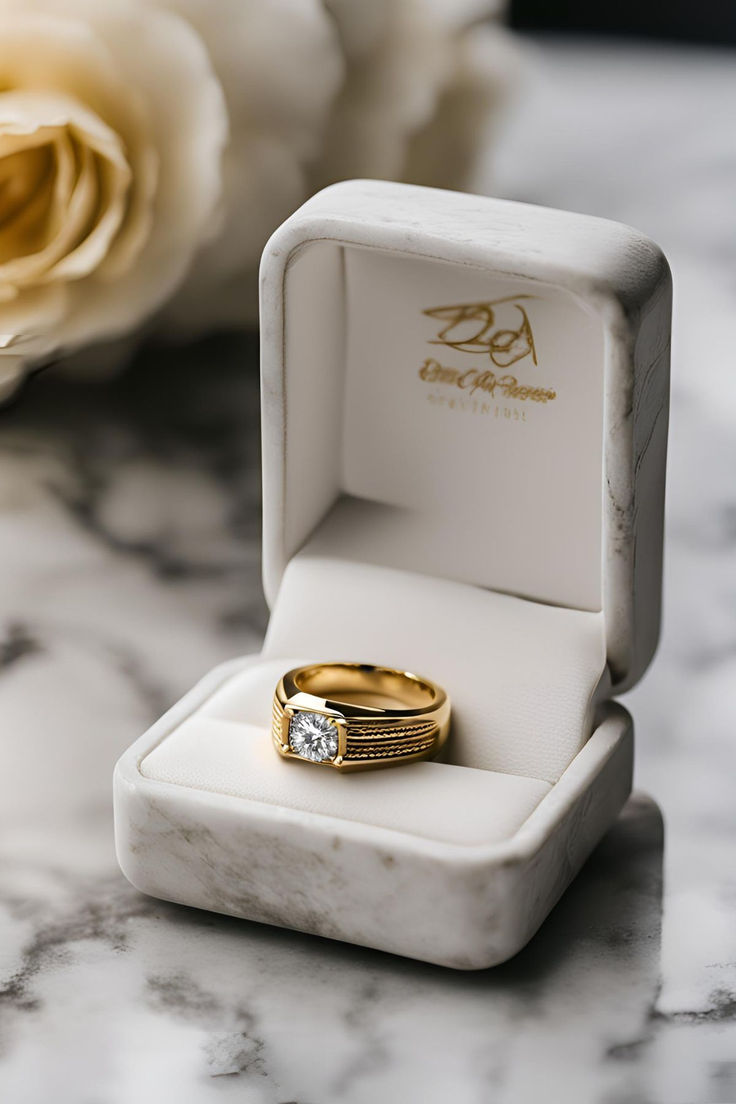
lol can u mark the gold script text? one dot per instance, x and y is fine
(477, 379)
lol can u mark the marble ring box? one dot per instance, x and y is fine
(464, 423)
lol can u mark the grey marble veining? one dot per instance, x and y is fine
(130, 531)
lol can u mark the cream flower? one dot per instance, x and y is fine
(112, 124)
(121, 200)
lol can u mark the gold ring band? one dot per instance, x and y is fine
(356, 716)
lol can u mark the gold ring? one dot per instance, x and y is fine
(355, 716)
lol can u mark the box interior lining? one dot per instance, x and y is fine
(526, 682)
(466, 483)
(225, 748)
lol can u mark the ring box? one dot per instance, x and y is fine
(464, 431)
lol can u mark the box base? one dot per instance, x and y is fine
(465, 906)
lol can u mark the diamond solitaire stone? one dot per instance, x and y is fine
(313, 736)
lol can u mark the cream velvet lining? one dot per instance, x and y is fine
(523, 679)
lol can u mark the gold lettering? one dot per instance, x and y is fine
(473, 380)
(467, 379)
(485, 328)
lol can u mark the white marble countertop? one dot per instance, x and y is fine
(129, 529)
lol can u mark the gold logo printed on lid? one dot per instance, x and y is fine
(473, 328)
(499, 329)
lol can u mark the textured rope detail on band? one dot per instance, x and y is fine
(395, 751)
(393, 741)
(381, 730)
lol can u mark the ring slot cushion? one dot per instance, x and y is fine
(464, 424)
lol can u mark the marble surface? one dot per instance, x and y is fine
(129, 530)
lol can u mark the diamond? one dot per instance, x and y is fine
(313, 736)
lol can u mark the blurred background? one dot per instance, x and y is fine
(712, 22)
(146, 153)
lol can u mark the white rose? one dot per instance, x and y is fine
(113, 121)
(112, 124)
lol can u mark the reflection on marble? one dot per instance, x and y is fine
(129, 531)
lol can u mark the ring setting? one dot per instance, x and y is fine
(357, 716)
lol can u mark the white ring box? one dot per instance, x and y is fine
(464, 418)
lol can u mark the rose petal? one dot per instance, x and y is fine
(85, 217)
(164, 60)
(279, 63)
(31, 320)
(42, 52)
(263, 176)
(147, 76)
(12, 371)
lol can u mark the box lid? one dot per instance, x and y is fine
(474, 389)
